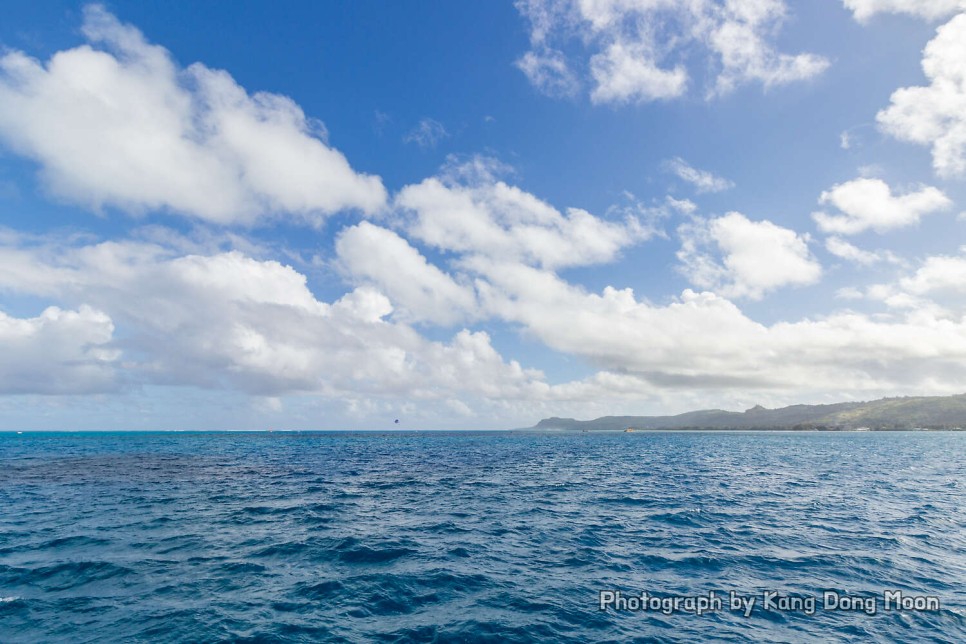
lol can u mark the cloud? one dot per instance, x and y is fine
(755, 256)
(548, 71)
(703, 342)
(841, 248)
(427, 134)
(373, 255)
(116, 122)
(637, 52)
(57, 352)
(649, 215)
(940, 275)
(863, 10)
(468, 211)
(627, 73)
(227, 320)
(935, 115)
(937, 288)
(867, 204)
(739, 40)
(702, 180)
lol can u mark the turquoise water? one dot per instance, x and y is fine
(476, 537)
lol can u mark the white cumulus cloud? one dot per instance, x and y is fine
(738, 257)
(936, 288)
(868, 204)
(628, 72)
(370, 254)
(935, 114)
(227, 320)
(484, 216)
(862, 10)
(116, 122)
(704, 342)
(940, 275)
(58, 352)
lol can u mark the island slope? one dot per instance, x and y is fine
(923, 412)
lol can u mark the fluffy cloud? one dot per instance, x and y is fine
(229, 320)
(935, 115)
(867, 204)
(116, 123)
(841, 248)
(703, 342)
(936, 288)
(755, 256)
(702, 180)
(487, 217)
(373, 255)
(862, 10)
(940, 275)
(627, 72)
(639, 48)
(57, 352)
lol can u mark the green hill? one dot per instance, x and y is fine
(923, 412)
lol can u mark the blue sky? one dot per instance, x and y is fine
(475, 215)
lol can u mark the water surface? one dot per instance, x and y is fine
(474, 537)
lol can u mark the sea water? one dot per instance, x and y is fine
(483, 537)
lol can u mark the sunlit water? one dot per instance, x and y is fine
(474, 537)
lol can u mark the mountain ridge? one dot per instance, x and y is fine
(884, 414)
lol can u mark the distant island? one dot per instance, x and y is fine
(887, 414)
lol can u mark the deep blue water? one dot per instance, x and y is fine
(475, 537)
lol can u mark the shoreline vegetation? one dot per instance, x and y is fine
(922, 413)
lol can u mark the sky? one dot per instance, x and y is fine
(473, 215)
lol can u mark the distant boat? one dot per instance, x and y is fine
(629, 429)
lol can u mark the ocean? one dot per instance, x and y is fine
(483, 537)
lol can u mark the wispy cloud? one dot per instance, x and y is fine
(702, 180)
(635, 52)
(427, 134)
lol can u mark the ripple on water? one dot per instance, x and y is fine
(472, 537)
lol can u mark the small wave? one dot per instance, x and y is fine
(281, 550)
(627, 500)
(686, 518)
(243, 567)
(446, 527)
(322, 508)
(365, 554)
(74, 542)
(268, 510)
(76, 573)
(320, 591)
